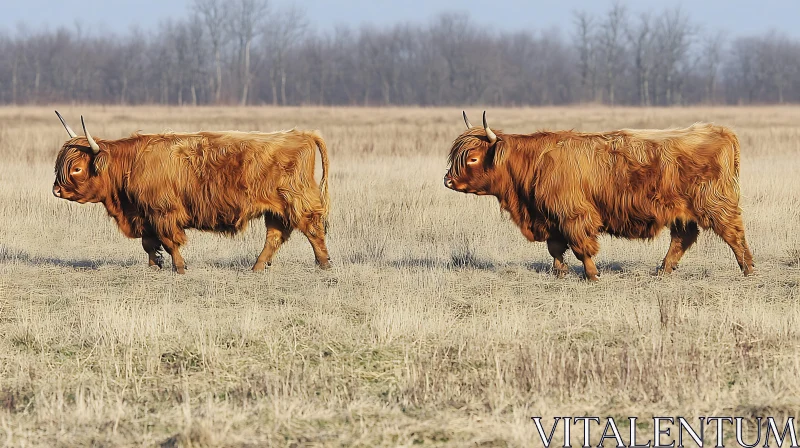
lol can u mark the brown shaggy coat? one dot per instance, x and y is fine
(568, 187)
(157, 185)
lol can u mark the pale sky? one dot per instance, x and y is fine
(735, 17)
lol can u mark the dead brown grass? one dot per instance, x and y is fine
(439, 323)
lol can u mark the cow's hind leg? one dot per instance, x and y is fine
(732, 232)
(314, 229)
(683, 236)
(152, 246)
(277, 234)
(557, 246)
(172, 245)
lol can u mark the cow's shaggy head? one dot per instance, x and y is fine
(473, 159)
(78, 167)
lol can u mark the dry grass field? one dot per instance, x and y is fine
(438, 325)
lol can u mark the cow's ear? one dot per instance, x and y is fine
(498, 152)
(100, 161)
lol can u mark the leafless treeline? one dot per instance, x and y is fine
(254, 52)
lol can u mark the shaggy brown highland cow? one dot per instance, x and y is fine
(568, 187)
(157, 185)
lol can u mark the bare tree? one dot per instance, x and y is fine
(673, 40)
(777, 58)
(613, 45)
(125, 64)
(197, 54)
(283, 30)
(587, 52)
(640, 37)
(246, 24)
(179, 40)
(710, 60)
(744, 69)
(214, 16)
(467, 52)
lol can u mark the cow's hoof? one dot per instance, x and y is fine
(180, 270)
(748, 271)
(324, 266)
(666, 269)
(560, 273)
(593, 278)
(154, 267)
(259, 267)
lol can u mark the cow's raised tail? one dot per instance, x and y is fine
(324, 197)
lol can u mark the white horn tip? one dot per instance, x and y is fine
(93, 144)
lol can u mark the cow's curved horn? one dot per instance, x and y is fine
(92, 143)
(489, 134)
(71, 133)
(466, 120)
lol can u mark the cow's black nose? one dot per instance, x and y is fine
(448, 182)
(56, 191)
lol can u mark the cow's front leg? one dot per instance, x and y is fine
(592, 274)
(732, 232)
(314, 230)
(173, 249)
(172, 236)
(557, 246)
(152, 246)
(584, 245)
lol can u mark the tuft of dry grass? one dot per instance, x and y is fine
(438, 325)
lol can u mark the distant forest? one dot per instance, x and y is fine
(255, 52)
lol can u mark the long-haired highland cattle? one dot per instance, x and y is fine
(157, 185)
(567, 187)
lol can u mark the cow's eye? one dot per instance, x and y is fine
(77, 170)
(473, 160)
